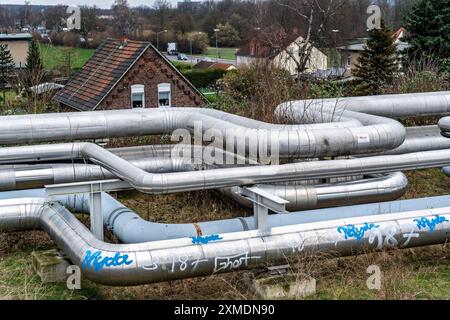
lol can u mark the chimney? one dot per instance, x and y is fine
(123, 40)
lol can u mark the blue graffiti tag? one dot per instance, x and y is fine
(350, 231)
(205, 239)
(98, 262)
(424, 222)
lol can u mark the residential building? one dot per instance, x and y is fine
(214, 65)
(124, 74)
(18, 44)
(351, 52)
(282, 55)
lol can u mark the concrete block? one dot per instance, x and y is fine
(286, 286)
(50, 265)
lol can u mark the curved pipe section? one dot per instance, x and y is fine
(444, 125)
(424, 138)
(305, 197)
(314, 140)
(390, 105)
(229, 177)
(133, 264)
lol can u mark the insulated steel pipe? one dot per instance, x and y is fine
(424, 138)
(229, 177)
(314, 140)
(133, 264)
(300, 197)
(13, 177)
(390, 105)
(305, 197)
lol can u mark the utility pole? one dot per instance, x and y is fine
(157, 38)
(217, 44)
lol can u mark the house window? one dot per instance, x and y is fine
(137, 96)
(164, 96)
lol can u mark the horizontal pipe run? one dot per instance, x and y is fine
(229, 177)
(129, 227)
(424, 138)
(314, 140)
(390, 105)
(134, 264)
(305, 197)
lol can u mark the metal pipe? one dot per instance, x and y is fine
(133, 264)
(129, 227)
(229, 177)
(390, 105)
(424, 138)
(305, 197)
(314, 140)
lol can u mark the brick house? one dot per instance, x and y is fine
(124, 74)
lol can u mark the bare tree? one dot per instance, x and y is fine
(312, 17)
(161, 10)
(122, 17)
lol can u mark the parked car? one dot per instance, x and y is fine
(182, 57)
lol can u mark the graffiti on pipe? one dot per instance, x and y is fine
(351, 231)
(206, 239)
(98, 262)
(233, 262)
(180, 263)
(186, 263)
(387, 239)
(424, 222)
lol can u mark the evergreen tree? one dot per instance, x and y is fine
(34, 66)
(7, 68)
(377, 64)
(428, 25)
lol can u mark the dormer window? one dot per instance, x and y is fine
(164, 95)
(137, 96)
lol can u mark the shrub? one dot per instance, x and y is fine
(203, 78)
(255, 90)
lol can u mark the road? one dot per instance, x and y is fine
(195, 59)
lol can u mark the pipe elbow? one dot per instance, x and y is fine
(150, 183)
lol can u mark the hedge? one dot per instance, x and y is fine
(203, 78)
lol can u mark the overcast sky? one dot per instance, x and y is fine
(98, 3)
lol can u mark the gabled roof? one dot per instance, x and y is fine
(268, 44)
(214, 65)
(359, 44)
(203, 64)
(101, 73)
(399, 34)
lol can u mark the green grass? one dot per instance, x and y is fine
(53, 56)
(18, 281)
(225, 53)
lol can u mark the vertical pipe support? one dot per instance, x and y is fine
(95, 190)
(263, 201)
(95, 197)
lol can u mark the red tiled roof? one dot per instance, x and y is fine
(222, 66)
(398, 33)
(100, 74)
(213, 65)
(268, 44)
(203, 64)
